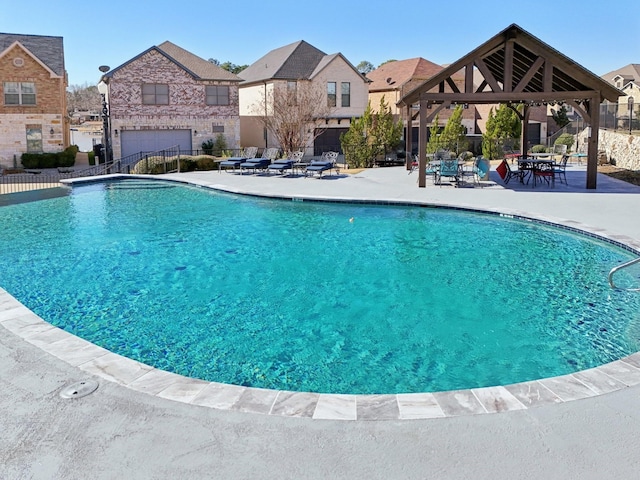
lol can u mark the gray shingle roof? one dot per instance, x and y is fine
(204, 69)
(291, 62)
(200, 68)
(49, 50)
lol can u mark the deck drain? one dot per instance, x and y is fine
(79, 389)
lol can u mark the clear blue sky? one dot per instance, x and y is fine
(601, 36)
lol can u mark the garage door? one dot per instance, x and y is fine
(135, 141)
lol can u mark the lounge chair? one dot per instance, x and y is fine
(284, 164)
(261, 163)
(234, 162)
(327, 162)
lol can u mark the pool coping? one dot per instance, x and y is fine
(95, 360)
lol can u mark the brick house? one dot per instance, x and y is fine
(293, 67)
(167, 96)
(33, 110)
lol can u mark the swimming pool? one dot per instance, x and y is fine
(316, 297)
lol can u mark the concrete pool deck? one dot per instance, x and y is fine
(117, 432)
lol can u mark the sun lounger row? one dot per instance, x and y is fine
(268, 163)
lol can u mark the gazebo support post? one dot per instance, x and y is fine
(422, 145)
(592, 152)
(408, 159)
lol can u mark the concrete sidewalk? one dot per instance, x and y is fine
(117, 432)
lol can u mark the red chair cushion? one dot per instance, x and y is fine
(502, 169)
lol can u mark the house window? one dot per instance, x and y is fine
(19, 93)
(217, 95)
(331, 94)
(292, 93)
(155, 94)
(217, 128)
(34, 138)
(346, 94)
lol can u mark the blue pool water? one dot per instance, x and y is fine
(319, 297)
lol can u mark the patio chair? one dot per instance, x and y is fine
(469, 170)
(560, 169)
(448, 168)
(507, 173)
(544, 172)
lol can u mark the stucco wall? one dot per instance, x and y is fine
(187, 107)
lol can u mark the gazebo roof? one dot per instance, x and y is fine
(516, 67)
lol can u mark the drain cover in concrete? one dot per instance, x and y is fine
(79, 389)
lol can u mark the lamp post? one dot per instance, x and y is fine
(103, 89)
(630, 104)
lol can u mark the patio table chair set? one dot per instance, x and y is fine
(535, 170)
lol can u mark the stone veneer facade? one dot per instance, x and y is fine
(49, 112)
(187, 109)
(620, 149)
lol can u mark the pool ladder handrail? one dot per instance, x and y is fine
(620, 267)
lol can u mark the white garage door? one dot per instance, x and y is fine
(135, 141)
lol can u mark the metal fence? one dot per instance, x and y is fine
(14, 180)
(620, 116)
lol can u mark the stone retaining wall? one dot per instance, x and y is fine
(622, 149)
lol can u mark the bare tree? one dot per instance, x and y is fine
(83, 98)
(294, 113)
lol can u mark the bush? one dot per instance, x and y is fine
(205, 163)
(538, 149)
(565, 139)
(92, 157)
(187, 165)
(220, 145)
(66, 158)
(207, 147)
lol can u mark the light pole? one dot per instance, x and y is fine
(104, 89)
(630, 104)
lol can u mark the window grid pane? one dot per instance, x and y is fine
(155, 94)
(331, 94)
(346, 94)
(16, 93)
(217, 95)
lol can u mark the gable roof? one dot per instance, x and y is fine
(394, 75)
(197, 67)
(295, 61)
(292, 62)
(48, 50)
(630, 73)
(520, 57)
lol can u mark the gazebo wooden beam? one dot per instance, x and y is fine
(505, 97)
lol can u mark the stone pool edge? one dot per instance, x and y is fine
(132, 374)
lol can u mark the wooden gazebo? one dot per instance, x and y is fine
(517, 69)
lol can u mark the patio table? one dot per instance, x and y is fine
(533, 165)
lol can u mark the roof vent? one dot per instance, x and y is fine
(390, 81)
(18, 62)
